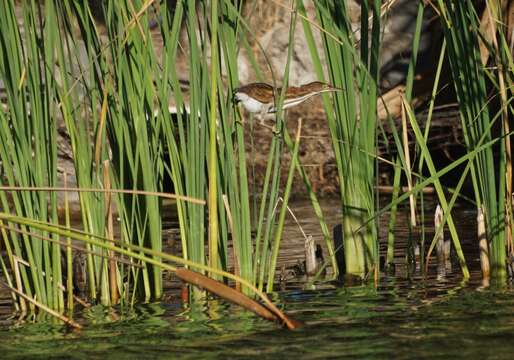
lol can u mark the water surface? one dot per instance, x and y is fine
(405, 316)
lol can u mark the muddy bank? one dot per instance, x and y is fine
(316, 154)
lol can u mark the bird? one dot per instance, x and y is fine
(262, 98)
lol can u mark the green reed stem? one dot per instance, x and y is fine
(460, 25)
(393, 212)
(212, 163)
(283, 211)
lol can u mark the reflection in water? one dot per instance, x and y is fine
(405, 316)
(399, 319)
(407, 242)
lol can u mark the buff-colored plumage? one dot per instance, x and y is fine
(261, 97)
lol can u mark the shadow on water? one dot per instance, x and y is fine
(403, 317)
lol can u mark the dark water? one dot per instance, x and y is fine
(405, 316)
(399, 319)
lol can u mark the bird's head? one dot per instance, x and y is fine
(239, 96)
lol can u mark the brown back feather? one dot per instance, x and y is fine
(313, 87)
(264, 92)
(259, 91)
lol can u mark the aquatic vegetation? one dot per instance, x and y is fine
(114, 88)
(352, 120)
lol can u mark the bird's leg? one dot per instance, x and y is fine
(262, 119)
(273, 128)
(263, 123)
(241, 119)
